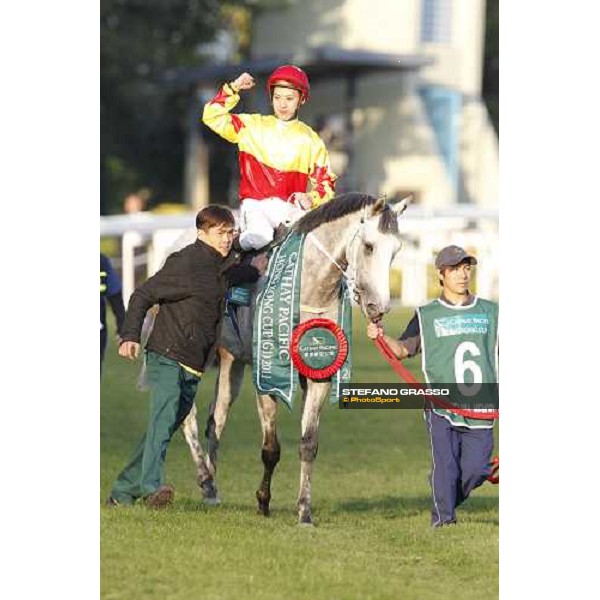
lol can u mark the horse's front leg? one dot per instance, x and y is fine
(267, 412)
(227, 389)
(313, 403)
(205, 481)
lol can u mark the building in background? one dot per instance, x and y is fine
(396, 89)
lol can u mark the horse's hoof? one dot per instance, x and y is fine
(210, 495)
(212, 501)
(263, 505)
(305, 522)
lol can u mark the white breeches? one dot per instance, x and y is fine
(259, 218)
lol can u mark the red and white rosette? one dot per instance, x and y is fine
(319, 348)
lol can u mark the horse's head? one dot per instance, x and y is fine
(370, 252)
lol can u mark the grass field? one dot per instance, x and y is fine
(371, 505)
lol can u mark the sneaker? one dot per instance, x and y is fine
(161, 498)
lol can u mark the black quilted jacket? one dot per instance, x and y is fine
(190, 289)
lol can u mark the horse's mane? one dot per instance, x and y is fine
(343, 205)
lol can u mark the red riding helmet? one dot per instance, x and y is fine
(295, 76)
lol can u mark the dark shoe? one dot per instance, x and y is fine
(112, 503)
(444, 524)
(161, 498)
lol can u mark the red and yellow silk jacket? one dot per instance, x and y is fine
(277, 158)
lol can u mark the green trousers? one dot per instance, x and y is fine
(171, 399)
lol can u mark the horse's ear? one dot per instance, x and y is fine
(400, 207)
(378, 206)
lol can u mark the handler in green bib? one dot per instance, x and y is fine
(457, 337)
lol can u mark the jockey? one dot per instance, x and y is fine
(278, 155)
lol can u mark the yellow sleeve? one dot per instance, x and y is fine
(217, 115)
(321, 178)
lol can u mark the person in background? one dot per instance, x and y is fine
(136, 202)
(110, 290)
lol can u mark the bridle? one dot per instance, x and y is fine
(351, 280)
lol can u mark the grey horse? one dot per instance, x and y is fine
(351, 234)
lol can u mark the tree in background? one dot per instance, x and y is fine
(142, 120)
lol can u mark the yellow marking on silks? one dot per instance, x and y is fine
(103, 273)
(102, 287)
(198, 374)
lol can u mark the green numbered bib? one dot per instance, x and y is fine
(459, 345)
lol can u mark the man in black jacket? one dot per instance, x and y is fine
(190, 290)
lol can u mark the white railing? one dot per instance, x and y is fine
(426, 230)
